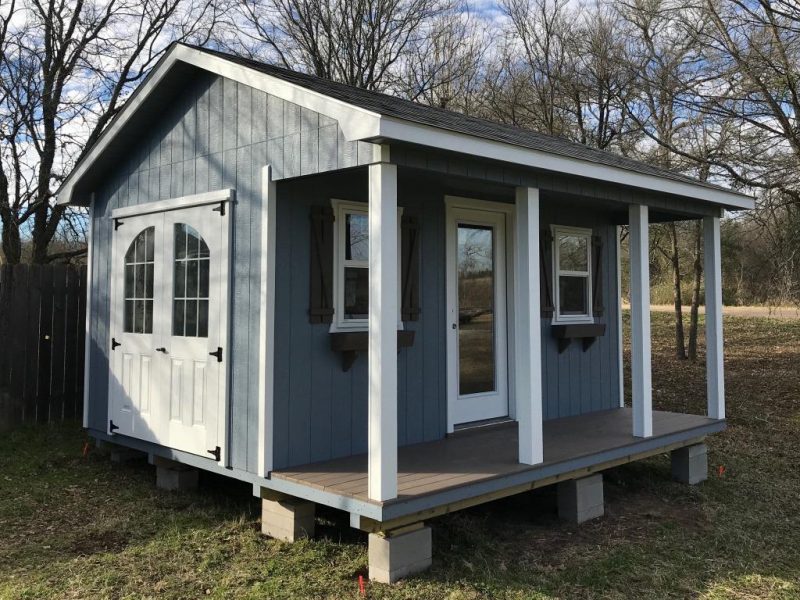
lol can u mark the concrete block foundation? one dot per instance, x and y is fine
(580, 500)
(690, 464)
(398, 554)
(120, 454)
(175, 477)
(287, 519)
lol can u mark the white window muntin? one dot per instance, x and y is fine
(559, 232)
(342, 208)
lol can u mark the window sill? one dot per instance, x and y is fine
(351, 343)
(587, 332)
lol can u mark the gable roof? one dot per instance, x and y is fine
(372, 116)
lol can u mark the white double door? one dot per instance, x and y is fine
(477, 294)
(168, 328)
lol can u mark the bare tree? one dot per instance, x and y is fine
(67, 68)
(364, 43)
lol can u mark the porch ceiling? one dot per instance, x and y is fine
(481, 461)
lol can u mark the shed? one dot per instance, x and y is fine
(348, 299)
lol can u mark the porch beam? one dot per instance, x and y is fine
(527, 335)
(383, 319)
(641, 388)
(715, 380)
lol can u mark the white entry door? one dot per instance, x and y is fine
(476, 306)
(169, 328)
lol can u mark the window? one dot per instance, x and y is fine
(351, 265)
(190, 294)
(572, 258)
(139, 263)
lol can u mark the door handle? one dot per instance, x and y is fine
(164, 350)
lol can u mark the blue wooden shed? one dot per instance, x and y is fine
(349, 299)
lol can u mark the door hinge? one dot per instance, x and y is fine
(111, 427)
(218, 354)
(220, 209)
(118, 224)
(215, 453)
(115, 343)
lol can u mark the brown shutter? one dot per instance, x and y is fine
(546, 272)
(320, 308)
(597, 276)
(409, 252)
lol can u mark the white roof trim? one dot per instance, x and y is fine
(426, 135)
(362, 124)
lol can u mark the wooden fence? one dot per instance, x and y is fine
(42, 324)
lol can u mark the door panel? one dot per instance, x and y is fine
(196, 283)
(476, 306)
(137, 255)
(168, 315)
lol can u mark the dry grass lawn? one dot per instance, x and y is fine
(73, 527)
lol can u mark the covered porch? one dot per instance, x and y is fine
(389, 474)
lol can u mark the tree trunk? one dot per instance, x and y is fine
(680, 347)
(12, 245)
(698, 274)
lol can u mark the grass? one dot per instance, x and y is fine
(75, 527)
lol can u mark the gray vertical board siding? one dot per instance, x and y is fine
(577, 382)
(321, 411)
(219, 134)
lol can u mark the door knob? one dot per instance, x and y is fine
(164, 350)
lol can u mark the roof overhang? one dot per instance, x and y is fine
(361, 124)
(414, 133)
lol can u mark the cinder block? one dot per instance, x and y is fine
(287, 519)
(176, 478)
(690, 464)
(393, 557)
(120, 454)
(580, 500)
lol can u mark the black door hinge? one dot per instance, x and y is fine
(220, 209)
(215, 453)
(218, 354)
(111, 427)
(118, 224)
(115, 343)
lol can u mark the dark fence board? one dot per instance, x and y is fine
(42, 325)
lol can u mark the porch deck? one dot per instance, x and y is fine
(478, 465)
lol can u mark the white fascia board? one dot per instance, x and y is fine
(396, 129)
(356, 123)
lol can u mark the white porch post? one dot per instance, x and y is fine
(383, 317)
(715, 380)
(640, 322)
(266, 336)
(527, 336)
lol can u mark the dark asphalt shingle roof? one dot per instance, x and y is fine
(407, 110)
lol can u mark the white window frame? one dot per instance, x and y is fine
(564, 231)
(341, 208)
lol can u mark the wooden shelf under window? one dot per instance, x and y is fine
(351, 343)
(586, 332)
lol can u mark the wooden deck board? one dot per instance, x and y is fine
(481, 454)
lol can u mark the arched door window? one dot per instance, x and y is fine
(191, 270)
(139, 262)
